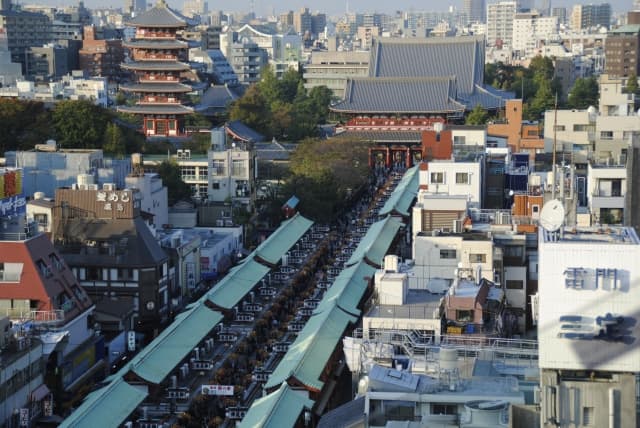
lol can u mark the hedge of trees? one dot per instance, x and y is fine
(282, 108)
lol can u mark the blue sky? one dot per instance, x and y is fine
(331, 7)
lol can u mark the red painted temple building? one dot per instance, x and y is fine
(158, 62)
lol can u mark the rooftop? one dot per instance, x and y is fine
(613, 235)
(419, 304)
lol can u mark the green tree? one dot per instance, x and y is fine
(542, 68)
(320, 97)
(121, 98)
(114, 141)
(23, 124)
(632, 84)
(544, 100)
(268, 86)
(477, 116)
(324, 173)
(177, 189)
(251, 109)
(79, 124)
(289, 85)
(584, 93)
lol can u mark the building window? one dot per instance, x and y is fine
(459, 139)
(448, 254)
(41, 219)
(125, 274)
(574, 277)
(559, 128)
(606, 135)
(215, 185)
(217, 167)
(10, 272)
(56, 262)
(477, 258)
(444, 409)
(188, 172)
(588, 416)
(514, 285)
(437, 177)
(464, 315)
(462, 178)
(94, 274)
(238, 168)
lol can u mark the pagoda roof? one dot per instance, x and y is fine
(400, 95)
(161, 16)
(157, 87)
(156, 109)
(156, 44)
(156, 66)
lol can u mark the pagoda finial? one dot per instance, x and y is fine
(161, 3)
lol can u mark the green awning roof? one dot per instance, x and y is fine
(237, 283)
(162, 355)
(375, 244)
(280, 241)
(404, 193)
(108, 406)
(281, 408)
(348, 288)
(308, 355)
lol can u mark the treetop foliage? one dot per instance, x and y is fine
(282, 108)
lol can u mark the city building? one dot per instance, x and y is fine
(24, 30)
(153, 194)
(47, 168)
(475, 10)
(195, 8)
(10, 72)
(530, 30)
(622, 51)
(115, 257)
(606, 192)
(100, 57)
(332, 69)
(43, 300)
(158, 61)
(46, 63)
(500, 17)
(585, 16)
(521, 135)
(587, 324)
(132, 7)
(247, 60)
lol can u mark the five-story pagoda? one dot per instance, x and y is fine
(157, 59)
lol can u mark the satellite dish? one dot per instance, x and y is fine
(552, 215)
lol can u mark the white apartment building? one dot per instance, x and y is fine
(588, 326)
(574, 129)
(500, 18)
(606, 191)
(454, 178)
(529, 29)
(153, 196)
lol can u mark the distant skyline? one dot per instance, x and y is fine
(330, 7)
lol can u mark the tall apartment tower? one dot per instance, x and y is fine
(590, 15)
(474, 10)
(622, 51)
(500, 18)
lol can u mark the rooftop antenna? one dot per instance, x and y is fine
(553, 166)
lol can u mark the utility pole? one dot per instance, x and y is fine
(553, 166)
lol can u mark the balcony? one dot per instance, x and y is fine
(151, 78)
(604, 200)
(157, 57)
(159, 100)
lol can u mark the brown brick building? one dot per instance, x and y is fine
(101, 57)
(622, 50)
